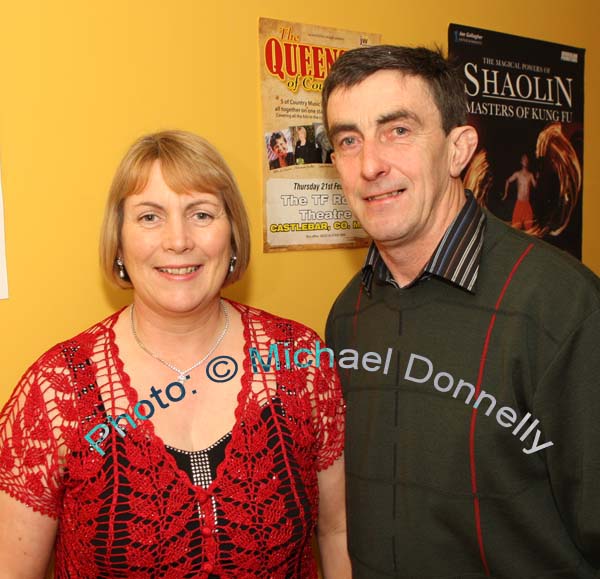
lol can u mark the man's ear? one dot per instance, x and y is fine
(333, 159)
(463, 142)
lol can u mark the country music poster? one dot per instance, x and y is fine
(526, 101)
(304, 204)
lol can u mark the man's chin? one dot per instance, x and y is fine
(382, 234)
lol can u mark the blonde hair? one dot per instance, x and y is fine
(188, 163)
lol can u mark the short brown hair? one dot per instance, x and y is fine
(443, 77)
(188, 163)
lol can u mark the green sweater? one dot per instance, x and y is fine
(478, 452)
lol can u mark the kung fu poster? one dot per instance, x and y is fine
(304, 204)
(526, 101)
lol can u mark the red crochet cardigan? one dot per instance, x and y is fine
(132, 513)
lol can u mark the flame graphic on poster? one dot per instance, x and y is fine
(478, 177)
(558, 164)
(554, 148)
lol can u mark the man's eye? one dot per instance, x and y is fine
(399, 131)
(347, 141)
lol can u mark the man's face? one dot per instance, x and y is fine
(392, 156)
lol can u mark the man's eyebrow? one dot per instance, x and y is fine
(338, 128)
(398, 115)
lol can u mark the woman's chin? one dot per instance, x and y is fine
(179, 306)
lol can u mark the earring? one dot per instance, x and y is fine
(121, 267)
(232, 264)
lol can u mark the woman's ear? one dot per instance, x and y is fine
(463, 142)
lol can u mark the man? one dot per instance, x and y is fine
(523, 213)
(473, 410)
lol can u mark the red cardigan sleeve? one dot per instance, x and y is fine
(331, 416)
(327, 402)
(29, 457)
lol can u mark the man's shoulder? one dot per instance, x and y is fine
(343, 310)
(509, 240)
(347, 299)
(541, 271)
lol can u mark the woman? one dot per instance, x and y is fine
(305, 151)
(279, 146)
(226, 482)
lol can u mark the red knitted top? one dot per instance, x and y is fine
(132, 513)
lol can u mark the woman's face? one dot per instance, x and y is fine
(176, 247)
(301, 134)
(280, 147)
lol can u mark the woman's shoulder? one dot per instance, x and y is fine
(77, 347)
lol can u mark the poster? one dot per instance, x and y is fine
(3, 274)
(526, 101)
(304, 206)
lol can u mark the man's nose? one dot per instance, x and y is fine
(374, 162)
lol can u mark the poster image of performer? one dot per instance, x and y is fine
(304, 205)
(525, 98)
(305, 150)
(279, 150)
(522, 217)
(323, 145)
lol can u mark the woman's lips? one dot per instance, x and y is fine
(179, 270)
(181, 273)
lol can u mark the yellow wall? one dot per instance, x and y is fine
(81, 80)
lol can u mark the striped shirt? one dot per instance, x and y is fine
(455, 259)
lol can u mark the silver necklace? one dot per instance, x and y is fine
(182, 374)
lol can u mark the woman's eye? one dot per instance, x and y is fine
(149, 218)
(202, 216)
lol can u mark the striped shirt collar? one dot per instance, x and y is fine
(455, 259)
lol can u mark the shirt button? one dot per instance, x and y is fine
(206, 531)
(207, 567)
